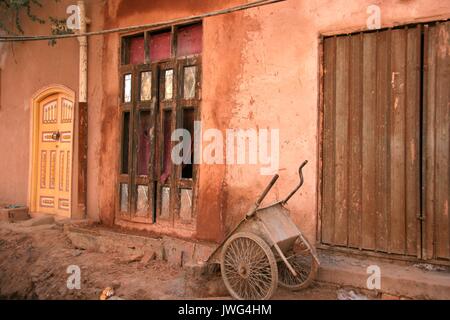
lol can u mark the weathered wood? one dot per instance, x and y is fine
(355, 142)
(382, 145)
(369, 142)
(429, 147)
(327, 232)
(397, 141)
(442, 128)
(341, 140)
(370, 97)
(82, 156)
(412, 140)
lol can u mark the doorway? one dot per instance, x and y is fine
(385, 173)
(52, 151)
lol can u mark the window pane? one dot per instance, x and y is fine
(142, 203)
(189, 40)
(144, 128)
(146, 85)
(137, 53)
(165, 202)
(159, 46)
(124, 197)
(186, 204)
(189, 82)
(168, 84)
(167, 131)
(188, 124)
(127, 88)
(125, 142)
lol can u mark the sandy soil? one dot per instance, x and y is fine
(34, 261)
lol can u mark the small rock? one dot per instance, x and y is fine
(428, 267)
(350, 295)
(107, 293)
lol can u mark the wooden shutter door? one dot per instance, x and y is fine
(371, 162)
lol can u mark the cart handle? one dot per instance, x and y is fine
(263, 195)
(300, 173)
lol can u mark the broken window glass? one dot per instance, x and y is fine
(165, 202)
(168, 84)
(146, 86)
(127, 88)
(189, 82)
(124, 197)
(142, 203)
(186, 204)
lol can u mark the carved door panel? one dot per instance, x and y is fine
(55, 155)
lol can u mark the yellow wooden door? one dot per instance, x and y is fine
(55, 155)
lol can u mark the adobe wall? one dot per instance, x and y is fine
(260, 70)
(27, 67)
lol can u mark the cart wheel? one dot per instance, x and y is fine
(303, 263)
(248, 266)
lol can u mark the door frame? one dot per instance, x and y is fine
(36, 99)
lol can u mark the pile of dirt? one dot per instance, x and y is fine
(34, 263)
(35, 257)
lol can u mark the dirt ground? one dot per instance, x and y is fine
(34, 262)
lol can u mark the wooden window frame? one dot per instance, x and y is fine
(157, 105)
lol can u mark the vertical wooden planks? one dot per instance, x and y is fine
(396, 138)
(355, 142)
(328, 147)
(382, 149)
(429, 138)
(412, 140)
(369, 141)
(437, 124)
(371, 182)
(341, 140)
(442, 123)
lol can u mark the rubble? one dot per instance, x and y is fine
(350, 295)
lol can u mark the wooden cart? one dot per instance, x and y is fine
(264, 249)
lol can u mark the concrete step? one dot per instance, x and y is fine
(398, 279)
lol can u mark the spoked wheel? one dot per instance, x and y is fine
(303, 262)
(248, 266)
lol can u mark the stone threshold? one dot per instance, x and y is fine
(398, 279)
